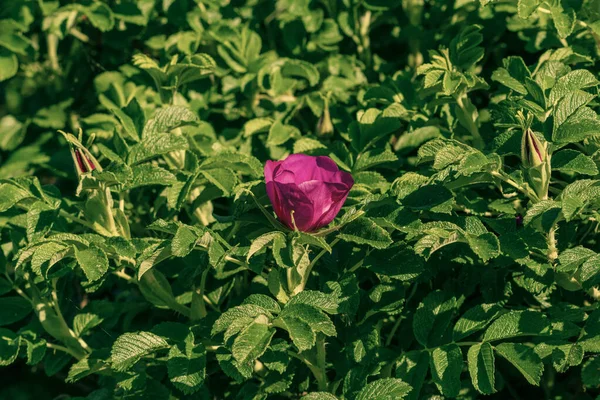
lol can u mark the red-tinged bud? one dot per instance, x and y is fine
(79, 160)
(535, 158)
(534, 152)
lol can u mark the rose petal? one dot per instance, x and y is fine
(294, 200)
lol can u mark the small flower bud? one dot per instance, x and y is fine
(533, 151)
(325, 126)
(535, 158)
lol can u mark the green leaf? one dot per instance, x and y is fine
(590, 373)
(129, 348)
(253, 341)
(300, 332)
(264, 302)
(570, 259)
(168, 118)
(319, 396)
(518, 323)
(446, 367)
(183, 242)
(9, 64)
(13, 309)
(82, 323)
(589, 272)
(475, 319)
(572, 82)
(564, 20)
(480, 359)
(149, 174)
(526, 7)
(10, 195)
(278, 238)
(99, 15)
(573, 161)
(280, 133)
(318, 321)
(384, 389)
(236, 318)
(84, 367)
(93, 262)
(502, 76)
(156, 145)
(524, 359)
(36, 351)
(9, 347)
(432, 317)
(365, 231)
(186, 365)
(325, 302)
(412, 368)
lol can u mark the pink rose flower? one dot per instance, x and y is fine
(313, 188)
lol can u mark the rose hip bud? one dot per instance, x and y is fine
(306, 192)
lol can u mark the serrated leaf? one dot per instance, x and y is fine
(183, 242)
(366, 231)
(480, 359)
(317, 320)
(82, 368)
(252, 342)
(167, 119)
(156, 145)
(432, 318)
(300, 332)
(9, 346)
(524, 359)
(186, 365)
(319, 396)
(325, 302)
(518, 323)
(573, 161)
(82, 323)
(93, 262)
(233, 315)
(384, 389)
(129, 348)
(446, 367)
(475, 319)
(263, 301)
(149, 174)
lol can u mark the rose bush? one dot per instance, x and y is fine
(429, 229)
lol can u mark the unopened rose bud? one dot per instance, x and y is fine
(325, 126)
(533, 151)
(535, 158)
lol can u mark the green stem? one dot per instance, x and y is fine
(506, 179)
(198, 307)
(313, 262)
(471, 126)
(552, 249)
(321, 363)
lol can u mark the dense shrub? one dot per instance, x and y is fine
(142, 258)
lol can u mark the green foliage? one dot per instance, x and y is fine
(140, 257)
